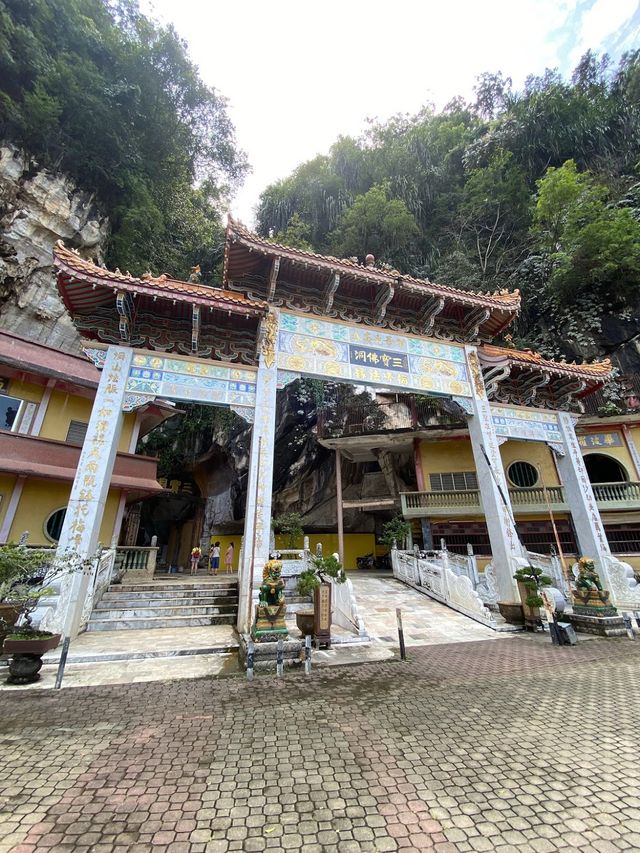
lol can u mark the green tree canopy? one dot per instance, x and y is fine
(97, 90)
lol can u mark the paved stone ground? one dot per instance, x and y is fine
(504, 746)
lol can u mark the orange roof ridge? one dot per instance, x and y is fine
(64, 257)
(509, 299)
(601, 369)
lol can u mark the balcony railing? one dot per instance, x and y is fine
(538, 499)
(404, 413)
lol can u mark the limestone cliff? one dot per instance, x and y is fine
(38, 208)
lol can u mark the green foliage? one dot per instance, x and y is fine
(378, 224)
(296, 234)
(288, 524)
(17, 565)
(177, 441)
(397, 530)
(518, 189)
(533, 580)
(97, 90)
(320, 570)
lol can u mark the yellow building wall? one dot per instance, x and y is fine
(42, 497)
(442, 457)
(634, 437)
(355, 545)
(535, 453)
(25, 390)
(64, 408)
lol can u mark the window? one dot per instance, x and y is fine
(458, 481)
(604, 469)
(522, 474)
(53, 524)
(76, 432)
(9, 410)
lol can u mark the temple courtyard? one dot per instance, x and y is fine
(490, 745)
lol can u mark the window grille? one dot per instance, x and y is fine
(456, 481)
(524, 475)
(76, 432)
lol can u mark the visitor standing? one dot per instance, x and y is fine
(228, 558)
(196, 553)
(215, 559)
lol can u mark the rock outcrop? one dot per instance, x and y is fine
(38, 208)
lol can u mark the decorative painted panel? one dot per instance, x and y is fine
(600, 439)
(351, 353)
(181, 379)
(526, 424)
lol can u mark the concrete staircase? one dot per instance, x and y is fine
(166, 605)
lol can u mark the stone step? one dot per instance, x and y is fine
(172, 587)
(218, 601)
(138, 623)
(226, 596)
(169, 610)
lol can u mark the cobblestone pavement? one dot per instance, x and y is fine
(514, 745)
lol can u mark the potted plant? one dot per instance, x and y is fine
(315, 581)
(289, 524)
(530, 581)
(397, 530)
(22, 573)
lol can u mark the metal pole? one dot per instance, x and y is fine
(339, 505)
(280, 658)
(307, 655)
(403, 654)
(63, 662)
(565, 570)
(251, 650)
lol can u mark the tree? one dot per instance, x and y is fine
(97, 90)
(376, 224)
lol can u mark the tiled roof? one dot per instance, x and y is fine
(69, 262)
(599, 370)
(504, 299)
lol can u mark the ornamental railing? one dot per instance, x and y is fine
(135, 564)
(535, 499)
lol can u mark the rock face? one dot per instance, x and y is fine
(38, 208)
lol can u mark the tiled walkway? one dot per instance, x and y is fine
(513, 745)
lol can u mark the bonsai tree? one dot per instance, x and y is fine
(320, 570)
(22, 573)
(533, 580)
(288, 524)
(397, 530)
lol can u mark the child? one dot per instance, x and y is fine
(228, 559)
(215, 559)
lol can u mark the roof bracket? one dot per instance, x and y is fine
(273, 278)
(383, 298)
(195, 327)
(474, 321)
(329, 291)
(124, 307)
(428, 313)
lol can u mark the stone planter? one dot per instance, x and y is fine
(304, 621)
(511, 612)
(26, 663)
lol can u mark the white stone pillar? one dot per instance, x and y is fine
(592, 540)
(85, 510)
(507, 552)
(257, 517)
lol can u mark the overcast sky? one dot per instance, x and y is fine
(299, 74)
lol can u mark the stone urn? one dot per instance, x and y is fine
(304, 621)
(26, 663)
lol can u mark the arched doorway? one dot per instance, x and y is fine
(604, 469)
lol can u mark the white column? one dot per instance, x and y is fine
(42, 408)
(257, 518)
(592, 540)
(86, 506)
(12, 508)
(507, 552)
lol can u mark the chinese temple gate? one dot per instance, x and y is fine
(285, 313)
